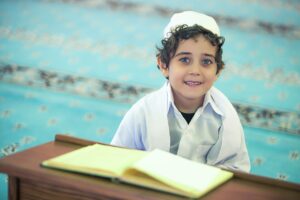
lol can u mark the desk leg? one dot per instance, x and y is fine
(13, 188)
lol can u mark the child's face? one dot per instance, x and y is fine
(192, 70)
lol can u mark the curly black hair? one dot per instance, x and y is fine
(184, 32)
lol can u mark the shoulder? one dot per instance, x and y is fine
(218, 95)
(152, 99)
(222, 102)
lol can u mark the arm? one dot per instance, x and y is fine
(238, 161)
(230, 150)
(131, 130)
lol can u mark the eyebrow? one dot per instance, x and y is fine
(189, 53)
(183, 53)
(209, 55)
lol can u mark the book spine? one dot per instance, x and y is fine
(115, 180)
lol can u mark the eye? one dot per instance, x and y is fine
(207, 61)
(185, 60)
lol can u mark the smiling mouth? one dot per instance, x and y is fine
(192, 83)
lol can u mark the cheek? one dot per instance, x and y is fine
(211, 74)
(175, 74)
(213, 78)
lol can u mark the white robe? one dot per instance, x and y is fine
(145, 127)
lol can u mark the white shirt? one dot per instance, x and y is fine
(203, 128)
(214, 135)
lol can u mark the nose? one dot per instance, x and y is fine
(195, 70)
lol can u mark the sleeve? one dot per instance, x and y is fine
(240, 159)
(230, 150)
(131, 130)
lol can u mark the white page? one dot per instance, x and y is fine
(180, 171)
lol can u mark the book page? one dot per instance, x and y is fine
(139, 178)
(188, 176)
(97, 159)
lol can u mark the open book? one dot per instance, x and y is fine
(156, 169)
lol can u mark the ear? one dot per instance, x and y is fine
(162, 67)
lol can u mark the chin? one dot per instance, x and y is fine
(193, 97)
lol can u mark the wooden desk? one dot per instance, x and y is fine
(27, 180)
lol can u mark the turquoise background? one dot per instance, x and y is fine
(87, 44)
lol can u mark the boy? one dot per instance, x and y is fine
(188, 116)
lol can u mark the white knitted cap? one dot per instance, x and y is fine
(191, 18)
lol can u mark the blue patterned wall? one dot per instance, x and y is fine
(75, 67)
